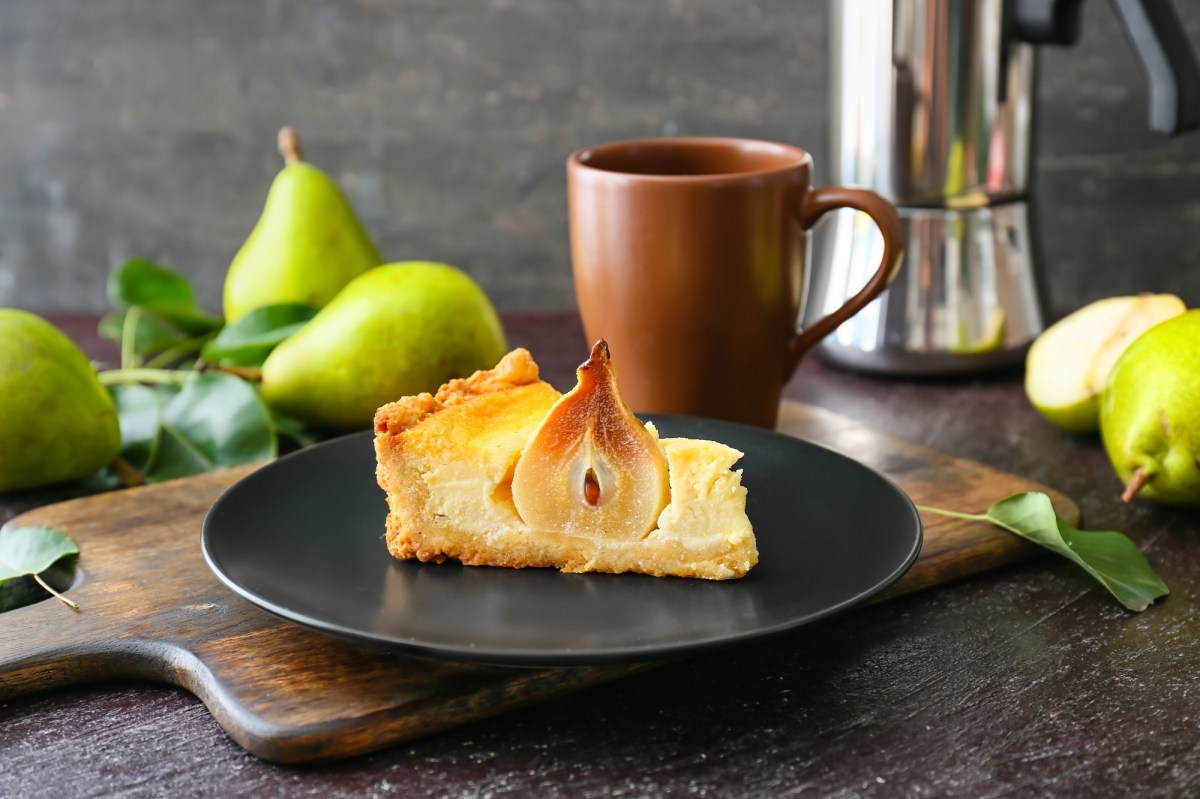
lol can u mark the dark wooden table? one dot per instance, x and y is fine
(1027, 681)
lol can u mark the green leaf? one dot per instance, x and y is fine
(140, 282)
(154, 333)
(176, 457)
(225, 417)
(27, 552)
(139, 411)
(293, 433)
(160, 291)
(1110, 557)
(21, 591)
(215, 420)
(249, 340)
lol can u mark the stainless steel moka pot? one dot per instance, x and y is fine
(933, 106)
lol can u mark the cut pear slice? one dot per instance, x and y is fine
(1068, 364)
(592, 469)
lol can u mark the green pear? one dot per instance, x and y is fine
(1150, 413)
(57, 422)
(396, 330)
(307, 244)
(1068, 364)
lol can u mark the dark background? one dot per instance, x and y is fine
(131, 127)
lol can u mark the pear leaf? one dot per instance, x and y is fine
(140, 282)
(1110, 557)
(180, 416)
(215, 420)
(152, 333)
(31, 552)
(177, 457)
(159, 291)
(249, 340)
(139, 410)
(295, 434)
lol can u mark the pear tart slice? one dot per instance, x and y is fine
(499, 469)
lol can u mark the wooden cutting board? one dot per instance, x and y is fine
(152, 610)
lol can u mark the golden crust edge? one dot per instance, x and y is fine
(434, 548)
(515, 369)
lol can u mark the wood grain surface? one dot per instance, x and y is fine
(152, 610)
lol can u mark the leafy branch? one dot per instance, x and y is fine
(186, 389)
(188, 401)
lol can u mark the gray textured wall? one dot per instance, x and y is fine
(132, 127)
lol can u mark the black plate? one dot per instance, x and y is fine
(303, 538)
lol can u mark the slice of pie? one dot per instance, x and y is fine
(499, 469)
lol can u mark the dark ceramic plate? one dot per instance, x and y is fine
(303, 538)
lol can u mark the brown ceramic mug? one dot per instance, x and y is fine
(689, 258)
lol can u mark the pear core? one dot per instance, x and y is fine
(592, 468)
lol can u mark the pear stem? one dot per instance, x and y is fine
(125, 470)
(115, 377)
(289, 145)
(974, 517)
(250, 373)
(169, 356)
(129, 359)
(1137, 481)
(71, 604)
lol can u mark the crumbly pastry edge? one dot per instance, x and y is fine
(515, 369)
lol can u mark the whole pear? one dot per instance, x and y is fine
(1150, 413)
(57, 422)
(307, 244)
(396, 330)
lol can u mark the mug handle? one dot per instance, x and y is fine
(817, 202)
